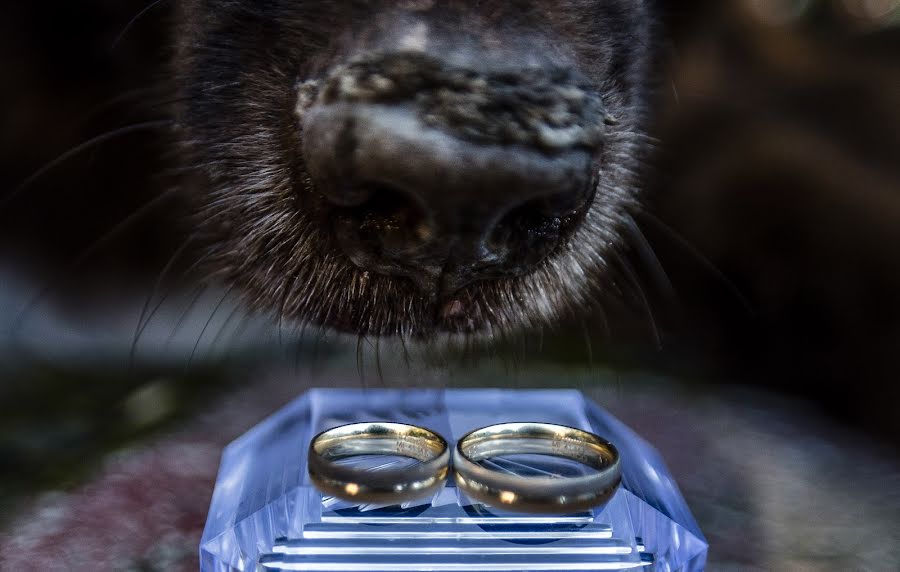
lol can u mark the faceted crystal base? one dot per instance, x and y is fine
(266, 515)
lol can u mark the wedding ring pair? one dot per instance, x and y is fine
(503, 489)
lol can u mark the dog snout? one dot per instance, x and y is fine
(446, 175)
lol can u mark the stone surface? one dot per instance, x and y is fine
(782, 519)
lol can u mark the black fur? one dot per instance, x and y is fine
(238, 65)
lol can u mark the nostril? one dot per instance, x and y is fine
(387, 219)
(420, 201)
(350, 196)
(530, 232)
(525, 232)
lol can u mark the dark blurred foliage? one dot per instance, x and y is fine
(774, 198)
(781, 166)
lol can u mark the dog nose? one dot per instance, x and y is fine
(447, 200)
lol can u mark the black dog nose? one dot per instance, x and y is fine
(438, 201)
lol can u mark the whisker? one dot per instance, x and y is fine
(131, 22)
(206, 326)
(642, 296)
(648, 255)
(120, 98)
(240, 329)
(703, 260)
(598, 310)
(604, 320)
(359, 360)
(405, 350)
(588, 346)
(141, 325)
(288, 289)
(89, 251)
(219, 335)
(198, 291)
(80, 148)
(378, 361)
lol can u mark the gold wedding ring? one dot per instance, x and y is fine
(536, 494)
(385, 485)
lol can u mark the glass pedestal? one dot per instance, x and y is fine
(265, 514)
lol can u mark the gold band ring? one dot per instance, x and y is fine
(386, 485)
(536, 494)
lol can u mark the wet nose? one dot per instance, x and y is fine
(423, 199)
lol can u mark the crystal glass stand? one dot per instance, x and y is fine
(266, 515)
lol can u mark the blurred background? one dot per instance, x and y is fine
(761, 357)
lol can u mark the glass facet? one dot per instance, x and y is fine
(266, 515)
